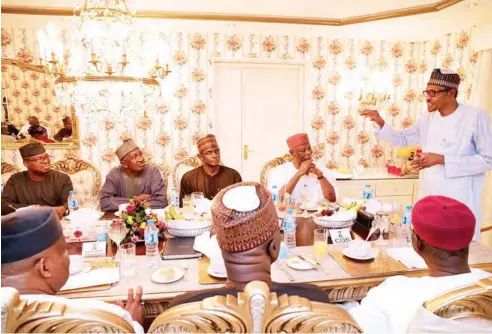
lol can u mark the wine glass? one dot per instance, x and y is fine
(383, 224)
(117, 231)
(305, 199)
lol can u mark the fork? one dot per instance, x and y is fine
(289, 276)
(317, 264)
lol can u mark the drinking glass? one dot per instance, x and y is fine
(128, 262)
(91, 202)
(117, 232)
(320, 247)
(187, 204)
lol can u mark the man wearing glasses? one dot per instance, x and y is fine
(456, 144)
(38, 185)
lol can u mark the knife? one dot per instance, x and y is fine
(314, 263)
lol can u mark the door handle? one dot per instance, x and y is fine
(246, 151)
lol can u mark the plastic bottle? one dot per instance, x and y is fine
(151, 236)
(367, 192)
(290, 230)
(275, 195)
(73, 204)
(406, 234)
(174, 198)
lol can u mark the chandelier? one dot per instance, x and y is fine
(96, 71)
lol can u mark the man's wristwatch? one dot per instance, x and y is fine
(321, 177)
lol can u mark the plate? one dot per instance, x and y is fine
(310, 207)
(349, 254)
(117, 214)
(299, 264)
(340, 176)
(216, 274)
(167, 275)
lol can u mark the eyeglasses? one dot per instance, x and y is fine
(42, 158)
(432, 93)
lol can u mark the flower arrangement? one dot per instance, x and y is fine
(135, 218)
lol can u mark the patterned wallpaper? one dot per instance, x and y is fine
(338, 70)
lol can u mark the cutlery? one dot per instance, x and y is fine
(317, 265)
(289, 276)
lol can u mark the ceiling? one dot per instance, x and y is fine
(416, 27)
(333, 9)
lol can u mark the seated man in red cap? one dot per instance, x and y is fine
(211, 177)
(132, 180)
(246, 224)
(442, 232)
(302, 178)
(35, 263)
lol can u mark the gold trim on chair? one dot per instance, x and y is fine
(71, 166)
(9, 168)
(473, 301)
(272, 164)
(256, 310)
(51, 317)
(193, 162)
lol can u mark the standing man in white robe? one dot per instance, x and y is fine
(302, 178)
(456, 142)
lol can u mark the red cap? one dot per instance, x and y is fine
(297, 140)
(443, 222)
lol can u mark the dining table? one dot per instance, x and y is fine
(340, 278)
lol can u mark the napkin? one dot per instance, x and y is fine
(207, 245)
(408, 257)
(92, 278)
(84, 217)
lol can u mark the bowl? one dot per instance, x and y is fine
(341, 219)
(187, 228)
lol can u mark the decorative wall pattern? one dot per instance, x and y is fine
(340, 71)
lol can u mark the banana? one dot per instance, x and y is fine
(168, 216)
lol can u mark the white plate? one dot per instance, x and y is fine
(349, 254)
(215, 274)
(340, 176)
(310, 207)
(117, 214)
(158, 278)
(299, 264)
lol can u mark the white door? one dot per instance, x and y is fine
(257, 105)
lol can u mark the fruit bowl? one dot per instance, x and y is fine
(339, 219)
(187, 228)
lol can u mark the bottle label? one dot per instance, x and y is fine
(73, 203)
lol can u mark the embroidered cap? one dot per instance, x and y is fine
(244, 217)
(297, 140)
(444, 78)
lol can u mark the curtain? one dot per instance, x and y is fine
(482, 97)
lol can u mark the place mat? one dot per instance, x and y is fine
(88, 289)
(380, 265)
(203, 276)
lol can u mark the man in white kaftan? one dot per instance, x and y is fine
(392, 306)
(456, 144)
(302, 178)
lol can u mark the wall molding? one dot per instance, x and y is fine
(416, 10)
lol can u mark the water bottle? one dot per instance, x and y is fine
(406, 234)
(174, 198)
(73, 205)
(367, 192)
(290, 230)
(151, 236)
(275, 196)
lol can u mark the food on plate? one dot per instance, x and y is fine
(326, 212)
(171, 214)
(340, 215)
(167, 273)
(343, 171)
(353, 206)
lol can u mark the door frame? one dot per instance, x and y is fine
(304, 74)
